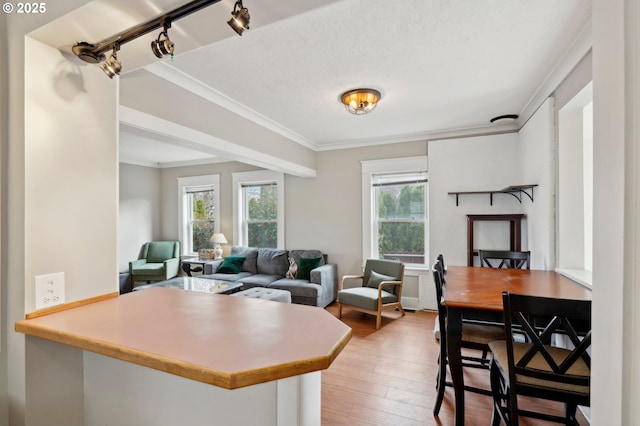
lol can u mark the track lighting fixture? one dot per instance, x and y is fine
(162, 47)
(112, 66)
(95, 53)
(239, 18)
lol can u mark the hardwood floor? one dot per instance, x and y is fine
(387, 377)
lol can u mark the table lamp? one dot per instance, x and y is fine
(218, 239)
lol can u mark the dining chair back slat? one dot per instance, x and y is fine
(505, 259)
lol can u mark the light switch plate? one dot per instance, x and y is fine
(49, 290)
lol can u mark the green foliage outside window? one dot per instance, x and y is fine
(401, 222)
(202, 224)
(262, 216)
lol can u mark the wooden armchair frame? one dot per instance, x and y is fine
(384, 285)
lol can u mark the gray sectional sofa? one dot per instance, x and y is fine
(267, 267)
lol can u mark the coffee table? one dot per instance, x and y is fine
(201, 285)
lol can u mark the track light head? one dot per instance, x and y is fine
(162, 47)
(86, 52)
(239, 18)
(112, 66)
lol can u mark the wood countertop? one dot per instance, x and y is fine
(229, 342)
(481, 288)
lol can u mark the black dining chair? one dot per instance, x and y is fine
(536, 368)
(505, 259)
(474, 336)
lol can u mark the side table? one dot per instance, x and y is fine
(206, 266)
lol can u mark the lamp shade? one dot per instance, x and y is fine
(218, 239)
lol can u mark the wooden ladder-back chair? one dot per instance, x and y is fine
(536, 368)
(505, 259)
(474, 336)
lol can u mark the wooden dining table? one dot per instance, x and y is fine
(474, 292)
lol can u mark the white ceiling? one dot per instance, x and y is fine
(443, 66)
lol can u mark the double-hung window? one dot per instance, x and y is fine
(199, 211)
(395, 221)
(260, 218)
(258, 201)
(399, 214)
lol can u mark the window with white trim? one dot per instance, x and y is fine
(395, 221)
(199, 201)
(575, 186)
(259, 209)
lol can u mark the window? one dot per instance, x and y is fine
(399, 216)
(260, 221)
(258, 209)
(575, 186)
(199, 212)
(395, 210)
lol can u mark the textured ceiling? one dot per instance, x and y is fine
(443, 66)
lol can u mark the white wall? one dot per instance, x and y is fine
(471, 164)
(71, 178)
(537, 165)
(615, 386)
(71, 174)
(139, 212)
(491, 163)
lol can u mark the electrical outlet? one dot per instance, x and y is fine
(49, 290)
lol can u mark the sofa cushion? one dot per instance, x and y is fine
(231, 265)
(148, 268)
(297, 254)
(365, 297)
(251, 258)
(375, 279)
(305, 265)
(159, 251)
(297, 288)
(260, 280)
(272, 262)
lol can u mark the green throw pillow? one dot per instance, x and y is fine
(231, 265)
(375, 279)
(305, 265)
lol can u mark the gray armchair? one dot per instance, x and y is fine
(381, 288)
(158, 261)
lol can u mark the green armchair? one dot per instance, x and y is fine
(158, 261)
(381, 288)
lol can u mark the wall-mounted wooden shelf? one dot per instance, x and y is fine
(515, 190)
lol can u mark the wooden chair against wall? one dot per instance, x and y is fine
(538, 369)
(505, 259)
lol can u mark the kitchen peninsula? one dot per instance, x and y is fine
(263, 358)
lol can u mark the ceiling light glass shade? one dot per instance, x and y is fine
(112, 66)
(162, 47)
(360, 101)
(239, 18)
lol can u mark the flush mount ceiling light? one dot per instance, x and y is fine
(504, 119)
(239, 18)
(112, 66)
(360, 101)
(94, 53)
(161, 47)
